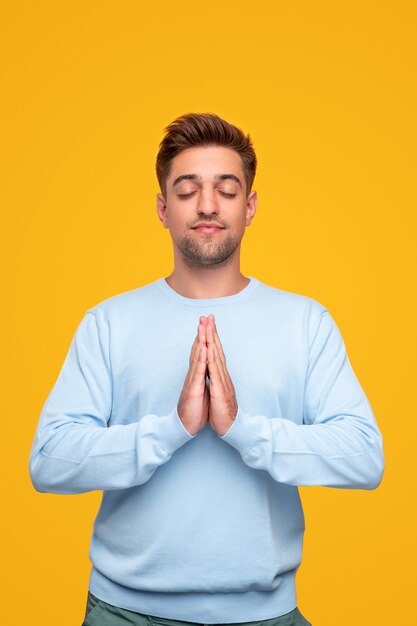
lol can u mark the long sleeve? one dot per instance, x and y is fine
(337, 445)
(74, 449)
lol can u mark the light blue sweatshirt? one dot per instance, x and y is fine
(203, 528)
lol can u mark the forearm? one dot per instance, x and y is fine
(70, 457)
(345, 452)
(335, 442)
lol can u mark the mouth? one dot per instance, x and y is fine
(207, 227)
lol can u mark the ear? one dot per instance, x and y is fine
(251, 206)
(161, 208)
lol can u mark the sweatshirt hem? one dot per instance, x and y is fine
(200, 607)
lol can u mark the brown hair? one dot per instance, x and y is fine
(203, 129)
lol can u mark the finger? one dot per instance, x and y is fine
(212, 323)
(200, 339)
(219, 346)
(193, 348)
(198, 376)
(202, 334)
(221, 366)
(217, 338)
(211, 340)
(213, 368)
(210, 335)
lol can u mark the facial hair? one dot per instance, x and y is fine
(207, 252)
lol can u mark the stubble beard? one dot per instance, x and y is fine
(208, 252)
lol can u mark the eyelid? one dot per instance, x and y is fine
(224, 193)
(185, 195)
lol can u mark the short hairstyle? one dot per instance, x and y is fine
(203, 129)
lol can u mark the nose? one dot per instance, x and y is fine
(207, 204)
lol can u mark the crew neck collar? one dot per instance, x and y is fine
(240, 295)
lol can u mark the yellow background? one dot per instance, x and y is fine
(327, 91)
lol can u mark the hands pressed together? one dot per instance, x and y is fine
(199, 402)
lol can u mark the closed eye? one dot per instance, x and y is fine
(185, 195)
(223, 193)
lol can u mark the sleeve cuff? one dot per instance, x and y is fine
(240, 435)
(171, 432)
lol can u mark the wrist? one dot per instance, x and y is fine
(226, 425)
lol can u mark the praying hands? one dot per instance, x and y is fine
(200, 402)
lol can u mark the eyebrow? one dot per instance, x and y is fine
(196, 177)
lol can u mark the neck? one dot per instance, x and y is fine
(215, 281)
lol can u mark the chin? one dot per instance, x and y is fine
(205, 256)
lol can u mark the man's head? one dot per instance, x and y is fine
(203, 129)
(205, 168)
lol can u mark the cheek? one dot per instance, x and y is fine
(177, 228)
(176, 222)
(240, 224)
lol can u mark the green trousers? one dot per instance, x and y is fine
(99, 613)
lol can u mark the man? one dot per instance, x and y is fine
(198, 404)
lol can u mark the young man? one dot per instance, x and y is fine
(198, 404)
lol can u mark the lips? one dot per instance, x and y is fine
(208, 227)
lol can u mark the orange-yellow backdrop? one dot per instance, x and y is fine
(327, 91)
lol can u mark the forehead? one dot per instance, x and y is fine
(206, 162)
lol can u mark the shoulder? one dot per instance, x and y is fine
(299, 314)
(309, 317)
(290, 300)
(126, 302)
